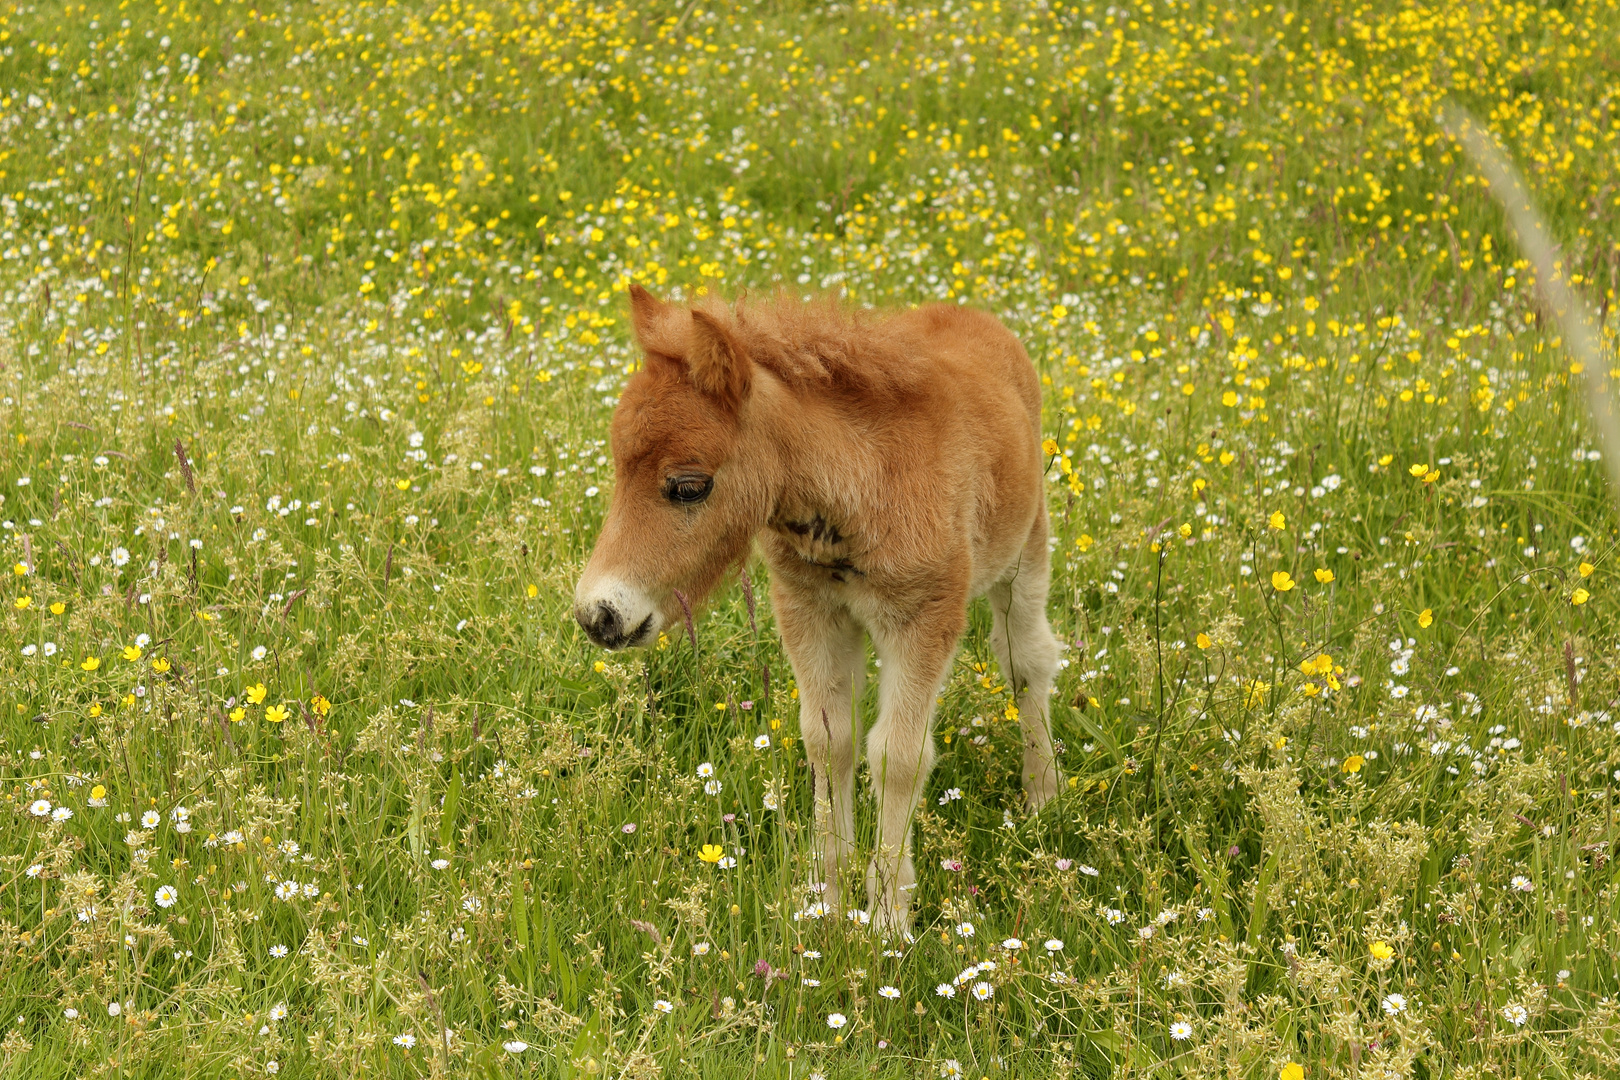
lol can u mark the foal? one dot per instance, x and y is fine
(891, 468)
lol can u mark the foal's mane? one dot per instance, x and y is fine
(820, 344)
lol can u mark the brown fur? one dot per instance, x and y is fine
(890, 467)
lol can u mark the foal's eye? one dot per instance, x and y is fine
(688, 490)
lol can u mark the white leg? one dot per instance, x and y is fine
(900, 748)
(829, 662)
(1028, 654)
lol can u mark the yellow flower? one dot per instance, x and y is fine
(320, 705)
(98, 792)
(1291, 1070)
(1281, 581)
(20, 569)
(403, 485)
(1381, 950)
(1281, 743)
(1230, 400)
(1203, 641)
(132, 653)
(256, 693)
(238, 714)
(91, 663)
(1011, 711)
(1585, 568)
(711, 853)
(1049, 447)
(1084, 542)
(58, 607)
(95, 710)
(534, 591)
(1185, 530)
(22, 602)
(276, 713)
(1579, 597)
(160, 665)
(1277, 521)
(1419, 470)
(1386, 459)
(1426, 618)
(1353, 764)
(1324, 576)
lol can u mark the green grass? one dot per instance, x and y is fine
(334, 373)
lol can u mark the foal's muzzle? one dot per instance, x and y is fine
(606, 626)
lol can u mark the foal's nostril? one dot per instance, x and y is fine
(601, 624)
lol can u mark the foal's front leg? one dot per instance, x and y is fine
(829, 661)
(916, 657)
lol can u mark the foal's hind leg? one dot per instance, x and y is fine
(829, 664)
(1028, 654)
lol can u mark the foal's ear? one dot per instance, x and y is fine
(715, 361)
(651, 320)
(646, 310)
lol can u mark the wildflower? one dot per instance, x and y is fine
(278, 951)
(1291, 1070)
(1585, 570)
(1181, 1031)
(1012, 944)
(1353, 763)
(275, 714)
(114, 1008)
(951, 1069)
(711, 853)
(1089, 871)
(238, 714)
(836, 1020)
(1277, 522)
(1515, 1014)
(1381, 950)
(22, 602)
(1054, 945)
(1281, 581)
(945, 990)
(762, 742)
(278, 1011)
(964, 929)
(256, 693)
(1394, 1004)
(516, 1046)
(90, 663)
(166, 896)
(70, 1013)
(132, 653)
(40, 808)
(1520, 883)
(1426, 618)
(1203, 641)
(983, 991)
(160, 665)
(627, 828)
(889, 992)
(406, 1039)
(1324, 576)
(701, 949)
(440, 864)
(1579, 596)
(1114, 916)
(706, 770)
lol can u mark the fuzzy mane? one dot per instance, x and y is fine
(822, 345)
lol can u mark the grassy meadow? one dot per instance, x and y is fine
(313, 319)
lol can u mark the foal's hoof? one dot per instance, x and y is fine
(891, 919)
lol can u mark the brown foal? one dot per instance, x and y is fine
(891, 468)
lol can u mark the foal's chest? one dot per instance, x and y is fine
(812, 544)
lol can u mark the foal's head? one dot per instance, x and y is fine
(685, 502)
